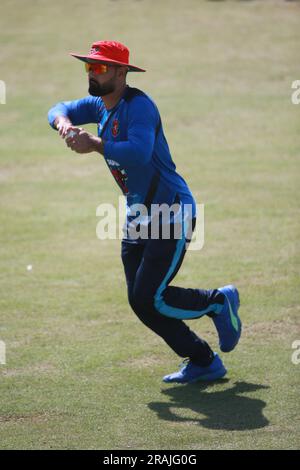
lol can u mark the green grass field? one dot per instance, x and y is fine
(81, 371)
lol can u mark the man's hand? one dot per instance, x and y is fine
(63, 125)
(82, 141)
(77, 138)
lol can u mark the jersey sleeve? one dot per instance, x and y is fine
(83, 111)
(143, 120)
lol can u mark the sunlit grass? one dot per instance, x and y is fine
(81, 371)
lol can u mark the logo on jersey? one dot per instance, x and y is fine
(112, 162)
(115, 129)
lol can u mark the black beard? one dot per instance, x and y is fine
(95, 89)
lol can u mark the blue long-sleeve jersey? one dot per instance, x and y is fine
(135, 147)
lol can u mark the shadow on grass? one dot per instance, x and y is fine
(225, 409)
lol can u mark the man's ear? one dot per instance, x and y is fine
(121, 72)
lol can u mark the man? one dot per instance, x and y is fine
(132, 142)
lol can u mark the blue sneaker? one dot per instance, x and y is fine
(192, 372)
(227, 322)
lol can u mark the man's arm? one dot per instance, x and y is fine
(143, 119)
(83, 111)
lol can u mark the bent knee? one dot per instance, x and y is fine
(140, 302)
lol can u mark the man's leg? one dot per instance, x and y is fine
(175, 332)
(161, 261)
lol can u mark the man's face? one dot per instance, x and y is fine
(105, 83)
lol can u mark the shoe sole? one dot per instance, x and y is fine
(218, 374)
(210, 377)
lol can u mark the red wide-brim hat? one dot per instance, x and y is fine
(108, 52)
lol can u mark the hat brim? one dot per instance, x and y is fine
(93, 59)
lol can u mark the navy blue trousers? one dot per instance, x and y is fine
(149, 269)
